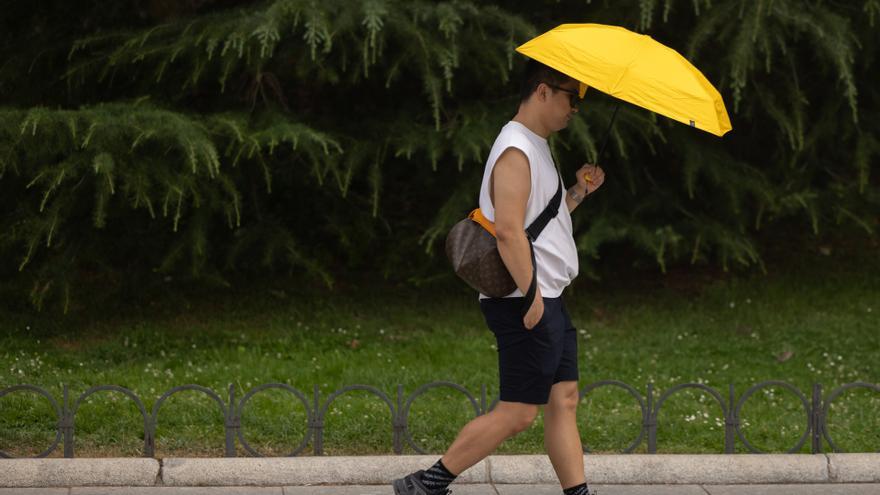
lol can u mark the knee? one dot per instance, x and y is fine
(521, 419)
(566, 401)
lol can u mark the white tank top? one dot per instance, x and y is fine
(555, 250)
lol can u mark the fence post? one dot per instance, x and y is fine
(730, 422)
(399, 422)
(233, 423)
(66, 423)
(651, 421)
(817, 421)
(317, 425)
(149, 437)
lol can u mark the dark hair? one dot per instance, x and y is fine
(536, 73)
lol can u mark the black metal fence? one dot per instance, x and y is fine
(815, 412)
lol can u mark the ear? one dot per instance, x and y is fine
(542, 90)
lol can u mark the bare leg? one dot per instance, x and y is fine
(561, 438)
(484, 434)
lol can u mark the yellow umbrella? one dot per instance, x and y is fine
(632, 67)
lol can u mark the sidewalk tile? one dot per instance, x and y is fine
(178, 490)
(826, 489)
(457, 489)
(339, 490)
(603, 490)
(33, 491)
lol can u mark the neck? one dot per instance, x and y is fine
(531, 121)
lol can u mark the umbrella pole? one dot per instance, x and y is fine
(607, 134)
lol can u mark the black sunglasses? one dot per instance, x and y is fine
(573, 95)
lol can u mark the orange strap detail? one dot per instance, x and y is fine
(478, 217)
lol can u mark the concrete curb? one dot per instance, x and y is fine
(671, 469)
(854, 468)
(281, 471)
(376, 470)
(41, 473)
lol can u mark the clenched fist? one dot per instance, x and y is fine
(590, 177)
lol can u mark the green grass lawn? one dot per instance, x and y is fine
(804, 322)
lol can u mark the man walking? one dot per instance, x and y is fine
(537, 353)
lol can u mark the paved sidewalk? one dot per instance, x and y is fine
(477, 489)
(635, 474)
(498, 470)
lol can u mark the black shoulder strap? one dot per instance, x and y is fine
(532, 232)
(550, 211)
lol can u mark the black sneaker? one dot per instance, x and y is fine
(411, 484)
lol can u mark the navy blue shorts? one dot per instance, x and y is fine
(531, 361)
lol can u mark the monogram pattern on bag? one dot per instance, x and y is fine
(474, 255)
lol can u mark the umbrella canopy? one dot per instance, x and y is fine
(632, 67)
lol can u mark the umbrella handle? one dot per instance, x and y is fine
(607, 133)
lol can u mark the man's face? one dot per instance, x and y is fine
(560, 104)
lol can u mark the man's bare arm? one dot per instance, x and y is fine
(511, 185)
(574, 196)
(589, 178)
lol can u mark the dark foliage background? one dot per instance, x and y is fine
(337, 141)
